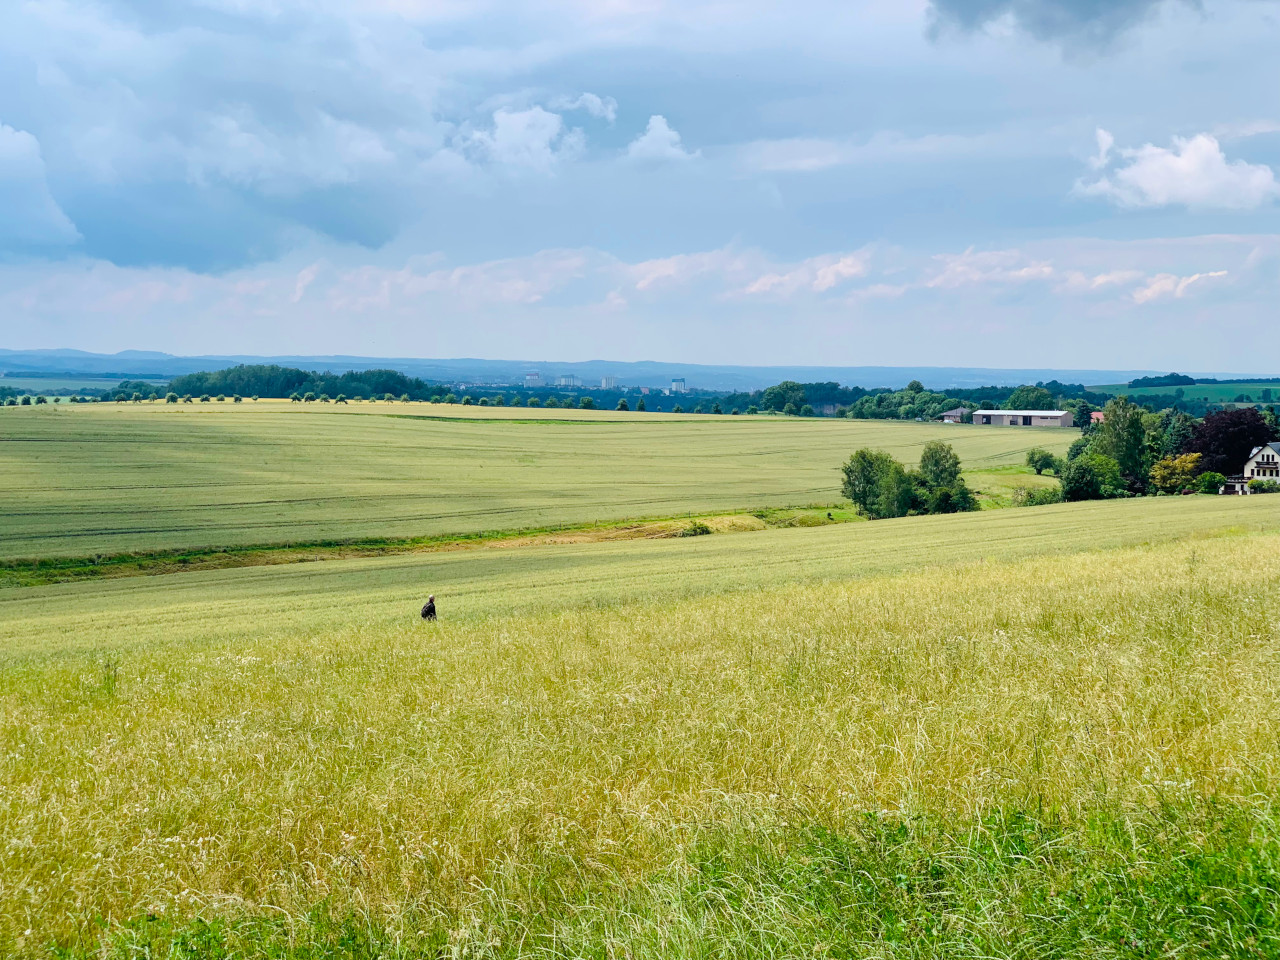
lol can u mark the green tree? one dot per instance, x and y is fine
(623, 405)
(1092, 476)
(677, 409)
(640, 405)
(295, 397)
(915, 386)
(237, 399)
(221, 398)
(779, 396)
(1175, 473)
(753, 410)
(1122, 437)
(534, 402)
(340, 398)
(586, 403)
(1029, 398)
(204, 398)
(404, 398)
(468, 401)
(939, 465)
(716, 408)
(877, 484)
(790, 410)
(26, 400)
(308, 397)
(1040, 460)
(1210, 482)
(170, 397)
(389, 398)
(807, 410)
(324, 398)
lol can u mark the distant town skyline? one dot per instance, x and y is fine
(994, 183)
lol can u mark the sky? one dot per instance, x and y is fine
(1022, 183)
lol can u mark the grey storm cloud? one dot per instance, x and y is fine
(1074, 21)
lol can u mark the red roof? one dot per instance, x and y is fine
(1097, 416)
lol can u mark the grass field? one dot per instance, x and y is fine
(105, 479)
(1212, 392)
(47, 384)
(1025, 733)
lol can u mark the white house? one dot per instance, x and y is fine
(1263, 464)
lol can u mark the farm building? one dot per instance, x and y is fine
(1023, 418)
(954, 416)
(1263, 464)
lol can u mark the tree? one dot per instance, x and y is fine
(677, 409)
(237, 399)
(1029, 398)
(324, 398)
(340, 398)
(534, 402)
(389, 398)
(623, 405)
(915, 386)
(939, 465)
(170, 397)
(1040, 460)
(779, 396)
(1092, 476)
(640, 405)
(877, 484)
(295, 398)
(1227, 438)
(26, 400)
(790, 410)
(734, 412)
(954, 499)
(1210, 482)
(1122, 437)
(753, 410)
(1175, 473)
(221, 398)
(586, 403)
(204, 398)
(715, 408)
(468, 401)
(404, 398)
(805, 411)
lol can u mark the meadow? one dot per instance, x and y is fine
(1212, 392)
(1041, 732)
(103, 479)
(1018, 733)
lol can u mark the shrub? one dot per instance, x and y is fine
(1039, 497)
(753, 410)
(222, 398)
(1258, 485)
(171, 397)
(237, 399)
(1092, 477)
(695, 529)
(204, 398)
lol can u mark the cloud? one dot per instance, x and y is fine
(535, 139)
(809, 154)
(658, 142)
(987, 267)
(30, 216)
(1193, 173)
(1077, 22)
(602, 108)
(817, 274)
(1168, 285)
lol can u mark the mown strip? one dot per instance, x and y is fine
(28, 572)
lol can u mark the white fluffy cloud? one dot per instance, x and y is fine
(817, 274)
(28, 212)
(535, 139)
(658, 142)
(602, 108)
(1194, 173)
(987, 266)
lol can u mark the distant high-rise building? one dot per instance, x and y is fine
(532, 380)
(568, 380)
(677, 385)
(608, 383)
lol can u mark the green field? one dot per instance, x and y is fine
(50, 384)
(1048, 732)
(104, 479)
(1212, 392)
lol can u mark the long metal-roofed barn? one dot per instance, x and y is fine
(1023, 418)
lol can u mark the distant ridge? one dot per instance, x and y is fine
(645, 373)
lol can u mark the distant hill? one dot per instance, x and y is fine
(146, 364)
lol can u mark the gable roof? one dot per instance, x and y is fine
(957, 412)
(1274, 446)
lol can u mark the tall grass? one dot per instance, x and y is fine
(717, 776)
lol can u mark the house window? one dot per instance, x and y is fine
(1026, 421)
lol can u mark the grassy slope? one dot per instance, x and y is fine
(717, 775)
(1213, 392)
(102, 479)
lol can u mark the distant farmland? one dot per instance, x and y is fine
(106, 478)
(1211, 392)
